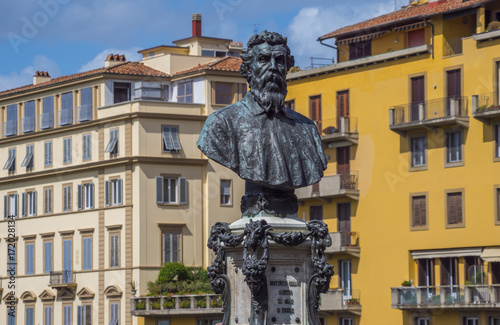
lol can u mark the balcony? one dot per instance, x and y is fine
(335, 300)
(340, 132)
(342, 185)
(46, 120)
(9, 128)
(344, 243)
(485, 107)
(429, 115)
(83, 113)
(28, 124)
(177, 305)
(63, 279)
(487, 36)
(65, 117)
(446, 297)
(453, 46)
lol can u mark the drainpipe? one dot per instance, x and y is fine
(331, 46)
(432, 37)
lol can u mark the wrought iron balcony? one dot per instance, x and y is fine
(344, 243)
(9, 128)
(187, 305)
(429, 114)
(63, 279)
(341, 185)
(337, 300)
(446, 297)
(340, 132)
(46, 120)
(65, 117)
(28, 124)
(84, 113)
(486, 107)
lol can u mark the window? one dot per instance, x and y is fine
(66, 112)
(47, 117)
(87, 253)
(67, 202)
(151, 54)
(28, 204)
(171, 243)
(10, 126)
(418, 152)
(474, 272)
(422, 321)
(497, 205)
(497, 141)
(346, 321)
(112, 146)
(171, 190)
(416, 37)
(494, 321)
(28, 159)
(454, 209)
(426, 274)
(185, 92)
(11, 202)
(84, 315)
(47, 154)
(30, 258)
(10, 165)
(225, 192)
(290, 104)
(67, 150)
(315, 111)
(86, 146)
(86, 196)
(360, 50)
(454, 147)
(47, 201)
(67, 313)
(419, 211)
(47, 315)
(30, 314)
(316, 212)
(47, 257)
(223, 93)
(170, 137)
(28, 122)
(85, 110)
(471, 321)
(114, 314)
(11, 316)
(114, 192)
(67, 260)
(449, 274)
(121, 92)
(114, 250)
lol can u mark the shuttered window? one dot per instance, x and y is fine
(30, 314)
(86, 147)
(455, 208)
(114, 244)
(67, 201)
(85, 111)
(171, 190)
(47, 154)
(47, 117)
(360, 49)
(170, 247)
(225, 192)
(11, 316)
(66, 113)
(47, 315)
(84, 315)
(11, 205)
(10, 164)
(67, 315)
(30, 258)
(28, 160)
(47, 257)
(223, 93)
(47, 201)
(114, 314)
(418, 152)
(419, 211)
(87, 253)
(86, 196)
(112, 146)
(67, 150)
(28, 204)
(116, 191)
(170, 138)
(315, 111)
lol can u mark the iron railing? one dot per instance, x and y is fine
(63, 277)
(28, 124)
(46, 120)
(485, 102)
(348, 180)
(84, 113)
(10, 128)
(65, 117)
(430, 109)
(352, 298)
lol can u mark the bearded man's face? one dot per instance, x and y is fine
(268, 82)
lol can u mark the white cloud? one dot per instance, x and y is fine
(25, 76)
(98, 61)
(313, 22)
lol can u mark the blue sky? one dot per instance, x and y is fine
(68, 36)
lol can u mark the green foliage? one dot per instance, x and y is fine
(493, 25)
(406, 283)
(140, 305)
(175, 278)
(216, 302)
(173, 271)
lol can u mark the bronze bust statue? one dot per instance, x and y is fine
(272, 147)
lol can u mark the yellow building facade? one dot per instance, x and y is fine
(409, 118)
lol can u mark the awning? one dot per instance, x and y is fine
(420, 24)
(491, 254)
(442, 253)
(361, 38)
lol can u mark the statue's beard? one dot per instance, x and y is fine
(269, 91)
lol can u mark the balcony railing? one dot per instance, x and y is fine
(84, 113)
(337, 300)
(46, 120)
(446, 297)
(344, 243)
(9, 128)
(486, 106)
(453, 46)
(65, 117)
(177, 305)
(340, 132)
(446, 111)
(28, 124)
(62, 279)
(345, 184)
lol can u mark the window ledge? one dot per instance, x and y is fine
(418, 168)
(454, 164)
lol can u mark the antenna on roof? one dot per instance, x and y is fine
(395, 5)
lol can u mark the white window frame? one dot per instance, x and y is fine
(454, 153)
(471, 320)
(418, 152)
(88, 196)
(116, 191)
(185, 96)
(31, 203)
(225, 192)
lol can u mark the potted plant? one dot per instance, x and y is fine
(140, 305)
(186, 302)
(407, 283)
(352, 301)
(133, 285)
(216, 302)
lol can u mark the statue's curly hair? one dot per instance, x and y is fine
(271, 38)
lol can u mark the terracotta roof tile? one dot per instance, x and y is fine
(408, 13)
(129, 68)
(227, 63)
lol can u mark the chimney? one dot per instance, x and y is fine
(40, 77)
(114, 60)
(196, 25)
